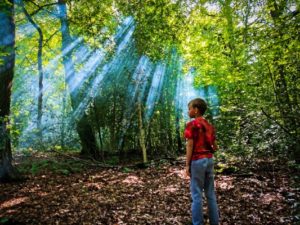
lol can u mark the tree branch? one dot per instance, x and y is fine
(281, 126)
(40, 7)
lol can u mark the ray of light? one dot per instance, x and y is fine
(115, 65)
(186, 92)
(155, 90)
(89, 67)
(213, 100)
(136, 91)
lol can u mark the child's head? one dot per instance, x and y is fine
(197, 107)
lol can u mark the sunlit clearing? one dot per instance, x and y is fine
(155, 90)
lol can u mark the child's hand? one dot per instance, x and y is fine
(187, 171)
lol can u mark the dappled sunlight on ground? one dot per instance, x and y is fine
(179, 172)
(158, 194)
(13, 202)
(171, 188)
(269, 198)
(132, 180)
(225, 183)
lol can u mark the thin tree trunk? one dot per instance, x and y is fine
(98, 132)
(40, 69)
(63, 123)
(7, 58)
(142, 133)
(84, 128)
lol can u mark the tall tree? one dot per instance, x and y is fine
(7, 63)
(40, 70)
(84, 128)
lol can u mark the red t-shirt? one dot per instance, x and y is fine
(195, 130)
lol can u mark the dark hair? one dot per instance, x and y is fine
(200, 104)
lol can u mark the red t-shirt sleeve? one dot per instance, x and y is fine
(188, 132)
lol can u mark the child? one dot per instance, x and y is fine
(199, 162)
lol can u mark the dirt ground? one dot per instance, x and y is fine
(158, 194)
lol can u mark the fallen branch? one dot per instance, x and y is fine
(88, 162)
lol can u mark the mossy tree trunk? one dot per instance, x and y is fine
(7, 63)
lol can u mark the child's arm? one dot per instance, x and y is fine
(189, 152)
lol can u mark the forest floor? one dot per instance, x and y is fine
(159, 194)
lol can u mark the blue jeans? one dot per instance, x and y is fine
(202, 178)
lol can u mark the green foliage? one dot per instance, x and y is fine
(94, 20)
(225, 169)
(159, 24)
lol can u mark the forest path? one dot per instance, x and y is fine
(158, 194)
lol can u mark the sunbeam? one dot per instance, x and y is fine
(89, 67)
(135, 92)
(155, 90)
(186, 91)
(116, 64)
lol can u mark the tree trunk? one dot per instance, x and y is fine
(142, 133)
(84, 128)
(41, 74)
(63, 123)
(7, 63)
(98, 132)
